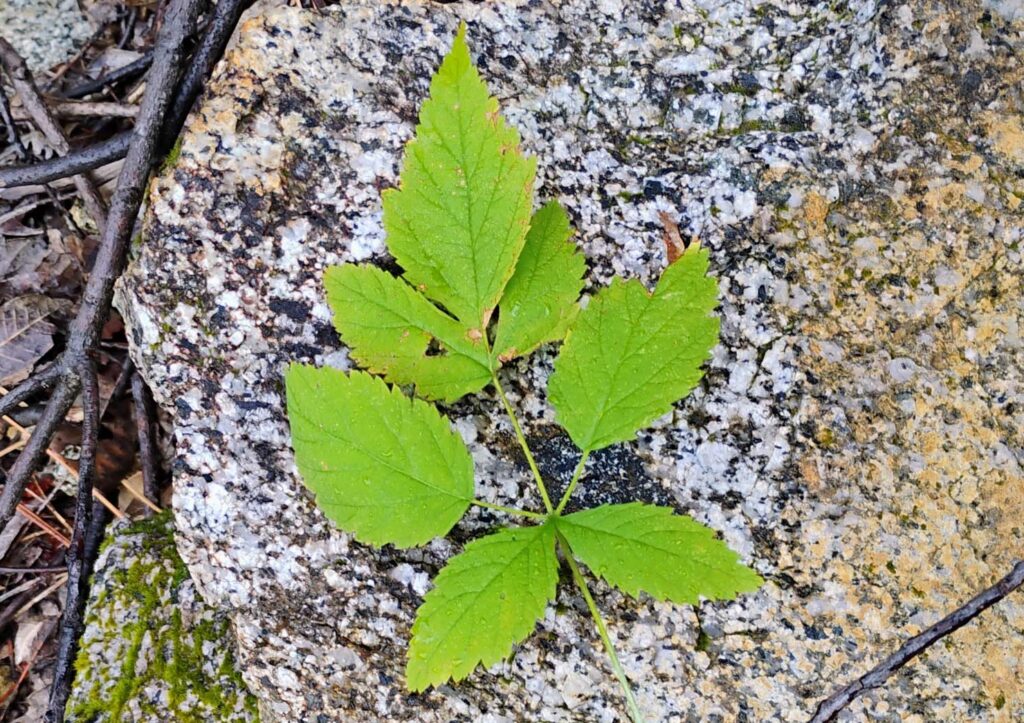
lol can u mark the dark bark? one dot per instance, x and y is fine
(73, 163)
(81, 555)
(145, 424)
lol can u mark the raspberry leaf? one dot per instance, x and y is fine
(459, 218)
(630, 355)
(540, 299)
(387, 468)
(485, 600)
(645, 547)
(390, 327)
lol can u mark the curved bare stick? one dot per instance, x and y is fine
(169, 57)
(144, 416)
(831, 706)
(35, 383)
(211, 48)
(136, 67)
(225, 17)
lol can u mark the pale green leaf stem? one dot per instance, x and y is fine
(509, 510)
(602, 631)
(577, 475)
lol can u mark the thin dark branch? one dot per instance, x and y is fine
(15, 140)
(211, 48)
(40, 380)
(225, 17)
(73, 163)
(30, 570)
(33, 103)
(129, 28)
(124, 378)
(144, 424)
(81, 554)
(131, 70)
(35, 449)
(168, 58)
(831, 706)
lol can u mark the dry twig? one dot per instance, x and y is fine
(144, 424)
(86, 159)
(130, 70)
(110, 256)
(33, 104)
(160, 117)
(80, 557)
(831, 706)
(83, 109)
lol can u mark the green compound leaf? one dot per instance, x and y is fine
(484, 601)
(540, 299)
(459, 218)
(630, 355)
(390, 326)
(384, 467)
(644, 547)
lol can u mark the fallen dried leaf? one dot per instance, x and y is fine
(25, 335)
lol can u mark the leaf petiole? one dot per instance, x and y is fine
(576, 475)
(522, 442)
(620, 673)
(509, 510)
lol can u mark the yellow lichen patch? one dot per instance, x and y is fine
(942, 195)
(929, 500)
(1006, 134)
(815, 210)
(967, 165)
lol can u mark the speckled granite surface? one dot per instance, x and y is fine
(857, 170)
(153, 651)
(44, 32)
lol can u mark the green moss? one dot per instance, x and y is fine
(703, 641)
(640, 140)
(752, 126)
(740, 90)
(1000, 701)
(174, 659)
(172, 157)
(136, 245)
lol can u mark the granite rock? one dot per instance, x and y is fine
(855, 168)
(44, 32)
(152, 649)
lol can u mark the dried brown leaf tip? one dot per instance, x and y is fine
(674, 244)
